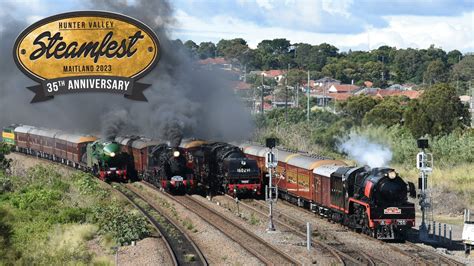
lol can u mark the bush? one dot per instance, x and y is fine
(71, 215)
(36, 199)
(124, 226)
(6, 184)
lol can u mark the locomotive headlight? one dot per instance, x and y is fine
(243, 162)
(112, 154)
(392, 175)
(176, 153)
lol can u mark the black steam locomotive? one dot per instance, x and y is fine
(171, 171)
(373, 201)
(223, 167)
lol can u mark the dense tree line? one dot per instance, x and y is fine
(437, 112)
(382, 66)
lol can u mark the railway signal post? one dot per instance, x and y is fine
(424, 162)
(271, 191)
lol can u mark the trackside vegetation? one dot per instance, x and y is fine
(48, 217)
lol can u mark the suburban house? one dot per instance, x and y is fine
(343, 88)
(216, 63)
(278, 75)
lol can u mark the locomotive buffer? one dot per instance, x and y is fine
(271, 192)
(424, 162)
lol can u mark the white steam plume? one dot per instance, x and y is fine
(365, 152)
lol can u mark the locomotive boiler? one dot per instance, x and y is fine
(172, 171)
(223, 167)
(107, 161)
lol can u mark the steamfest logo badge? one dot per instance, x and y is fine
(87, 51)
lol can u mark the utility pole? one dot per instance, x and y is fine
(471, 105)
(307, 105)
(271, 194)
(245, 73)
(286, 93)
(263, 87)
(424, 162)
(297, 95)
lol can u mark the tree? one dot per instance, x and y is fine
(4, 162)
(275, 46)
(463, 73)
(436, 72)
(375, 72)
(356, 107)
(232, 49)
(296, 76)
(192, 48)
(206, 50)
(454, 57)
(439, 111)
(408, 66)
(389, 112)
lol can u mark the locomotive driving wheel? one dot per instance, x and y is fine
(366, 228)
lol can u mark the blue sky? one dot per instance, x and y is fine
(348, 24)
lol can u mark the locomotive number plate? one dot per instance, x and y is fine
(392, 210)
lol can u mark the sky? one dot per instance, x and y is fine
(347, 24)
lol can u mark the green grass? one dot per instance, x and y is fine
(456, 182)
(47, 218)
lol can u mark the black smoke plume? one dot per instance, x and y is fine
(183, 100)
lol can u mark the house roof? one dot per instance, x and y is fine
(213, 61)
(240, 85)
(465, 98)
(273, 73)
(344, 87)
(340, 96)
(368, 84)
(267, 106)
(410, 94)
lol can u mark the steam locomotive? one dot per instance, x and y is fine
(106, 160)
(372, 201)
(159, 164)
(222, 167)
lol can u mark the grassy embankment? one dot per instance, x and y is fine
(50, 218)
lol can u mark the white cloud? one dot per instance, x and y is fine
(337, 7)
(264, 4)
(402, 31)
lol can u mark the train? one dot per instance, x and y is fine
(371, 201)
(159, 164)
(223, 168)
(210, 167)
(86, 152)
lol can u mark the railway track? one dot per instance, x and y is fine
(422, 255)
(248, 240)
(419, 255)
(339, 250)
(180, 247)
